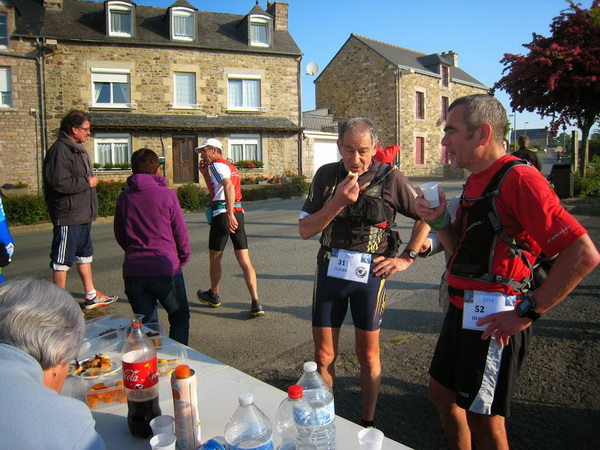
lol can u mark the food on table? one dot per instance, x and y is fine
(105, 393)
(155, 338)
(93, 367)
(167, 366)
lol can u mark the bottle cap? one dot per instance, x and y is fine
(136, 323)
(183, 371)
(310, 366)
(295, 391)
(246, 398)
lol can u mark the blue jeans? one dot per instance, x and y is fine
(169, 290)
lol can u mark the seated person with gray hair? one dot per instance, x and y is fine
(41, 331)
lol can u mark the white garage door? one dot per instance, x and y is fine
(325, 152)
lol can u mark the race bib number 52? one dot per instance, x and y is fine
(479, 304)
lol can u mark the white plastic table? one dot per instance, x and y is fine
(218, 389)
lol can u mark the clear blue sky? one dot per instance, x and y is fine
(480, 31)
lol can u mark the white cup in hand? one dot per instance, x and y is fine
(431, 194)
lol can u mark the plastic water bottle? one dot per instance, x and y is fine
(295, 420)
(248, 428)
(140, 379)
(320, 397)
(216, 443)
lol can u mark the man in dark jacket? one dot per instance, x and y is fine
(70, 193)
(525, 153)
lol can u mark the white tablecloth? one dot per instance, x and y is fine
(218, 389)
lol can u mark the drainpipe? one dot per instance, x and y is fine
(300, 133)
(41, 94)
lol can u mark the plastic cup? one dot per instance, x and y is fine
(163, 441)
(370, 438)
(162, 424)
(431, 194)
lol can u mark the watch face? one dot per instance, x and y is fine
(525, 305)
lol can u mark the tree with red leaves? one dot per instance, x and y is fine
(560, 77)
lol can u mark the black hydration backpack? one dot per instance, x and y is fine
(482, 220)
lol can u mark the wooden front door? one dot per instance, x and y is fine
(185, 159)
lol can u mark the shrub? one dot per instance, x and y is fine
(192, 197)
(298, 184)
(590, 185)
(25, 210)
(108, 191)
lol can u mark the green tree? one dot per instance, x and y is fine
(560, 76)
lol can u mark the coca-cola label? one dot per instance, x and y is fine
(140, 375)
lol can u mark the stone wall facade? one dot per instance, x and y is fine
(20, 135)
(69, 85)
(360, 82)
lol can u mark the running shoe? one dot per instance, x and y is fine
(209, 298)
(256, 310)
(99, 300)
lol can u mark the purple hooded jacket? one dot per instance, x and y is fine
(150, 227)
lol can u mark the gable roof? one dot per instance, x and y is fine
(423, 63)
(87, 23)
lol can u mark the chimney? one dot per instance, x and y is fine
(279, 11)
(53, 5)
(452, 56)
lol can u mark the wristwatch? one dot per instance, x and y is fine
(411, 253)
(526, 308)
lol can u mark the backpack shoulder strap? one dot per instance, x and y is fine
(491, 192)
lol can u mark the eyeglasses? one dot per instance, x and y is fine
(84, 129)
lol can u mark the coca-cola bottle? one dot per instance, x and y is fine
(140, 379)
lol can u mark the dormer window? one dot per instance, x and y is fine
(445, 76)
(120, 19)
(183, 24)
(260, 31)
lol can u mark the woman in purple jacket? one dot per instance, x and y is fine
(150, 227)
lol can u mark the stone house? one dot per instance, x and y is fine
(406, 94)
(163, 78)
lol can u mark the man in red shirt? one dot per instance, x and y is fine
(223, 181)
(487, 327)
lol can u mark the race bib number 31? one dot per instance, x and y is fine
(479, 304)
(347, 265)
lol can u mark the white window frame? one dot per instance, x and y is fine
(112, 139)
(4, 37)
(188, 14)
(261, 21)
(245, 140)
(5, 87)
(112, 76)
(245, 80)
(120, 8)
(176, 103)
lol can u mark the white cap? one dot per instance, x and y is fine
(310, 366)
(212, 142)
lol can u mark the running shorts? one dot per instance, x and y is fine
(332, 295)
(483, 373)
(219, 233)
(71, 244)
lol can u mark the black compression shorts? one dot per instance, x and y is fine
(219, 233)
(332, 295)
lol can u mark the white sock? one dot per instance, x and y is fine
(90, 295)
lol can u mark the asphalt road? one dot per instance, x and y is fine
(557, 404)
